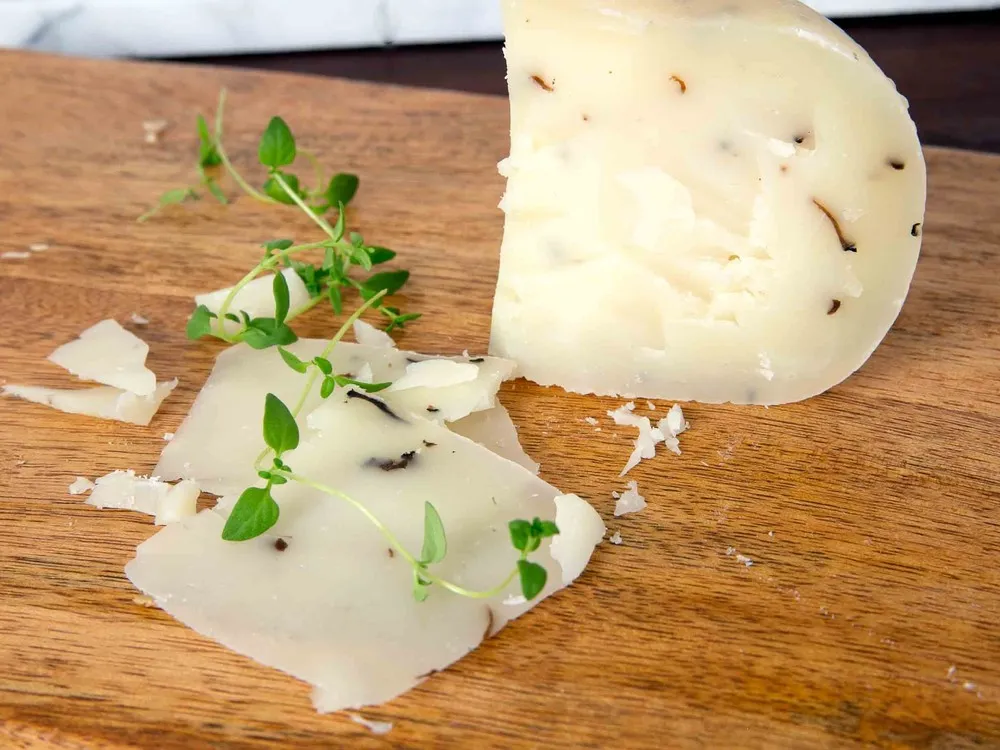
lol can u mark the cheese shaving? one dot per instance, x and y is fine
(435, 373)
(104, 402)
(630, 501)
(666, 432)
(375, 727)
(124, 490)
(80, 486)
(107, 353)
(368, 335)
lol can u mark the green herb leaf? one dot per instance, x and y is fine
(292, 361)
(533, 577)
(234, 318)
(338, 228)
(420, 587)
(277, 145)
(390, 281)
(327, 388)
(435, 544)
(278, 245)
(281, 433)
(361, 257)
(169, 198)
(323, 364)
(399, 321)
(366, 387)
(336, 300)
(278, 479)
(213, 187)
(279, 288)
(274, 189)
(520, 534)
(356, 239)
(200, 323)
(379, 255)
(254, 513)
(208, 151)
(263, 333)
(342, 189)
(543, 529)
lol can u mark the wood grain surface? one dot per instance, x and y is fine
(871, 514)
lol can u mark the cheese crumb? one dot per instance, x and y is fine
(666, 432)
(616, 538)
(630, 501)
(368, 335)
(592, 421)
(651, 405)
(80, 486)
(951, 671)
(375, 727)
(154, 129)
(168, 436)
(970, 686)
(38, 247)
(144, 601)
(138, 319)
(15, 255)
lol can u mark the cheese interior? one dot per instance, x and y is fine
(715, 201)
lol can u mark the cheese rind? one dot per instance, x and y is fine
(713, 201)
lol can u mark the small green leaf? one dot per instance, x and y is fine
(234, 318)
(533, 577)
(279, 288)
(213, 187)
(323, 364)
(390, 281)
(292, 361)
(264, 474)
(435, 544)
(543, 529)
(281, 433)
(357, 240)
(420, 587)
(254, 513)
(278, 479)
(278, 245)
(277, 145)
(327, 388)
(338, 228)
(208, 152)
(336, 300)
(342, 189)
(366, 387)
(274, 189)
(399, 321)
(520, 534)
(263, 333)
(200, 323)
(379, 255)
(360, 256)
(169, 198)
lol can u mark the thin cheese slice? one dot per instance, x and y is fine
(124, 490)
(256, 299)
(322, 597)
(218, 441)
(493, 429)
(103, 402)
(717, 201)
(107, 353)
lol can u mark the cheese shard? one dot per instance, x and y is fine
(124, 490)
(256, 299)
(330, 604)
(103, 402)
(218, 441)
(713, 201)
(107, 353)
(494, 429)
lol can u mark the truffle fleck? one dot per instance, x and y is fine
(834, 306)
(680, 83)
(543, 84)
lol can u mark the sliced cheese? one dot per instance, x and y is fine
(103, 402)
(714, 201)
(107, 353)
(368, 335)
(218, 441)
(124, 490)
(493, 429)
(321, 596)
(256, 299)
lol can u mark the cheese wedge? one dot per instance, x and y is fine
(713, 201)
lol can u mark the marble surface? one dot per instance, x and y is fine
(160, 28)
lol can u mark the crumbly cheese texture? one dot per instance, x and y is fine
(714, 201)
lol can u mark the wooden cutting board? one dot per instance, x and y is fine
(871, 514)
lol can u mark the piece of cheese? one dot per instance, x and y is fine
(368, 335)
(321, 596)
(218, 441)
(103, 402)
(256, 299)
(107, 353)
(124, 490)
(493, 429)
(716, 201)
